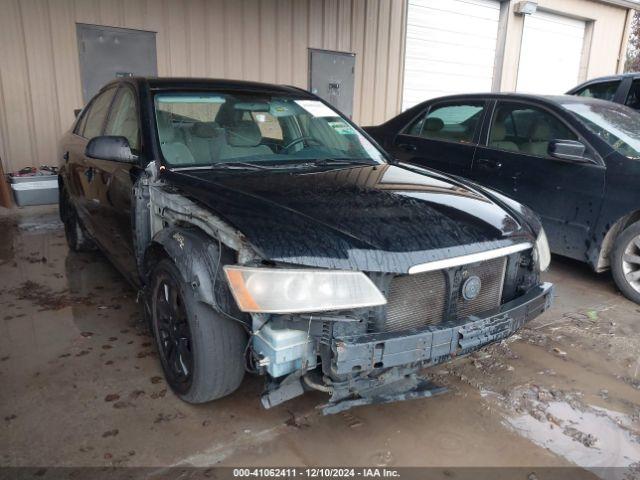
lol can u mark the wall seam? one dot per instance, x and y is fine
(4, 131)
(55, 72)
(207, 53)
(187, 41)
(386, 92)
(167, 37)
(403, 54)
(29, 100)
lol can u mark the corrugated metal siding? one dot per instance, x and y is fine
(263, 40)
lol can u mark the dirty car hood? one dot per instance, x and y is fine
(380, 218)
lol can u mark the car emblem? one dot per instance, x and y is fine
(471, 287)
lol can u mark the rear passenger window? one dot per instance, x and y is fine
(603, 91)
(97, 114)
(526, 129)
(453, 122)
(633, 98)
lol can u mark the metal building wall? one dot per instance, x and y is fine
(263, 40)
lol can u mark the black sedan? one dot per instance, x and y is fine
(575, 161)
(266, 232)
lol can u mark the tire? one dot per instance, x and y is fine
(208, 349)
(77, 237)
(625, 262)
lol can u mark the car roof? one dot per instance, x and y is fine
(191, 83)
(611, 77)
(553, 99)
(606, 78)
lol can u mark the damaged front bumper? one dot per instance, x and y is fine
(399, 356)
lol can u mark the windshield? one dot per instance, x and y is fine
(202, 129)
(617, 125)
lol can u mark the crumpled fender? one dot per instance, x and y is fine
(199, 260)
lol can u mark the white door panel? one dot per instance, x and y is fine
(451, 48)
(550, 53)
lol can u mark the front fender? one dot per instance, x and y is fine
(199, 259)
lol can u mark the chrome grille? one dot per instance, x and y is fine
(416, 300)
(491, 274)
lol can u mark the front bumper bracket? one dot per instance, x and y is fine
(377, 360)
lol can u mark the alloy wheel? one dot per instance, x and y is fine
(174, 334)
(631, 263)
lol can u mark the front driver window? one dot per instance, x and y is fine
(454, 122)
(526, 129)
(97, 114)
(123, 119)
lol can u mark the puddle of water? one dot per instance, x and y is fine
(614, 445)
(42, 223)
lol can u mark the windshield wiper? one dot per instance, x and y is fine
(348, 161)
(321, 162)
(225, 166)
(316, 162)
(239, 165)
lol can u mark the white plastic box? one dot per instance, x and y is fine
(35, 190)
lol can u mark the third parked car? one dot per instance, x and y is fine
(573, 160)
(623, 89)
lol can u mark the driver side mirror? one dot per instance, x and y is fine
(571, 150)
(108, 147)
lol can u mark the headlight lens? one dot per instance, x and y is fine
(279, 290)
(542, 251)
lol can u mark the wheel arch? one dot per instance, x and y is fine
(199, 259)
(603, 262)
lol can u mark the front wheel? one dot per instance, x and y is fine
(625, 262)
(201, 352)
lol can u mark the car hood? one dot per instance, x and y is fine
(382, 218)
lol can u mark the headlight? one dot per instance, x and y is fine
(279, 290)
(542, 251)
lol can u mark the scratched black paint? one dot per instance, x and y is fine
(373, 218)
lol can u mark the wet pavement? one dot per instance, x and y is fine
(82, 386)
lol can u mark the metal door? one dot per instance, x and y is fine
(331, 77)
(109, 52)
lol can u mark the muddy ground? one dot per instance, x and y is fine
(81, 384)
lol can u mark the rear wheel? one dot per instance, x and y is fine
(201, 352)
(625, 262)
(77, 237)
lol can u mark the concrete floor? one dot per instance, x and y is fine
(81, 384)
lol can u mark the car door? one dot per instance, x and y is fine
(114, 182)
(443, 137)
(81, 170)
(514, 160)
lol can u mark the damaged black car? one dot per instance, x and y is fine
(267, 233)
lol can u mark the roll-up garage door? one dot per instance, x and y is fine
(450, 48)
(550, 53)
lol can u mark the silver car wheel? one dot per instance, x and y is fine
(631, 263)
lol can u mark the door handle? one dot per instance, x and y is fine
(407, 147)
(488, 164)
